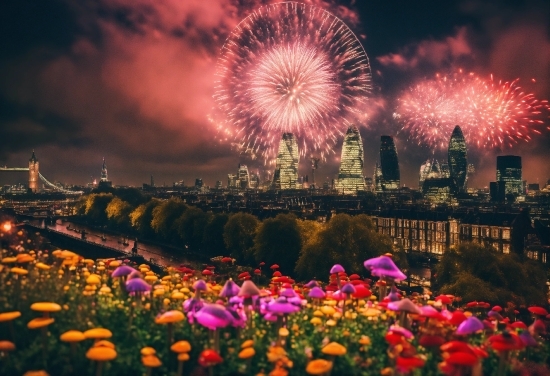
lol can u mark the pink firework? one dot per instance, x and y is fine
(290, 68)
(491, 114)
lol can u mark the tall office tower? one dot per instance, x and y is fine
(219, 184)
(243, 177)
(232, 181)
(350, 176)
(458, 163)
(33, 173)
(509, 172)
(389, 163)
(254, 180)
(377, 177)
(198, 183)
(425, 170)
(286, 170)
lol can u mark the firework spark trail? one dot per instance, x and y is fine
(491, 114)
(290, 67)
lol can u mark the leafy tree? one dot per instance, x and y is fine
(213, 243)
(478, 272)
(278, 241)
(345, 240)
(96, 203)
(238, 236)
(190, 227)
(164, 217)
(142, 216)
(118, 213)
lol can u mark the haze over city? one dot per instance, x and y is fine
(134, 82)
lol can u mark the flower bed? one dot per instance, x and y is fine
(67, 315)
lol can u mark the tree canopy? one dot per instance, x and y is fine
(478, 272)
(278, 241)
(238, 235)
(344, 240)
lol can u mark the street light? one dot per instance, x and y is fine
(6, 227)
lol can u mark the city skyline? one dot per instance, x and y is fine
(69, 94)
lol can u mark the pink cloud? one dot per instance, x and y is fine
(434, 52)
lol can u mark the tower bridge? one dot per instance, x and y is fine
(34, 175)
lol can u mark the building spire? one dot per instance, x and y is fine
(33, 157)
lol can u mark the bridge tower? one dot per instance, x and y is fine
(33, 173)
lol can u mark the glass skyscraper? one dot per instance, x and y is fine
(286, 170)
(350, 176)
(509, 172)
(391, 178)
(458, 163)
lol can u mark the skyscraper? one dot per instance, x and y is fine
(33, 173)
(377, 177)
(243, 176)
(286, 169)
(389, 163)
(350, 176)
(458, 163)
(509, 172)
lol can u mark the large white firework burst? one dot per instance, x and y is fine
(290, 67)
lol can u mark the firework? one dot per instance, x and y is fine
(491, 114)
(290, 67)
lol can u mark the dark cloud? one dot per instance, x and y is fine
(132, 80)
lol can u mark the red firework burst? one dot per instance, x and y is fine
(491, 114)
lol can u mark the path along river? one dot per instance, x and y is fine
(159, 255)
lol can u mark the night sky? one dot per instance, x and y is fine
(132, 81)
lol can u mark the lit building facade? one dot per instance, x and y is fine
(438, 190)
(104, 179)
(33, 173)
(377, 177)
(254, 180)
(391, 178)
(509, 172)
(350, 175)
(288, 158)
(243, 176)
(232, 181)
(458, 162)
(104, 176)
(434, 232)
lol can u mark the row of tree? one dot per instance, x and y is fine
(308, 249)
(302, 248)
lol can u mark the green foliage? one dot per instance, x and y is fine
(142, 216)
(213, 244)
(118, 212)
(96, 204)
(345, 240)
(190, 227)
(164, 217)
(278, 241)
(478, 272)
(238, 235)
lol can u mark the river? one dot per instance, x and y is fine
(159, 255)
